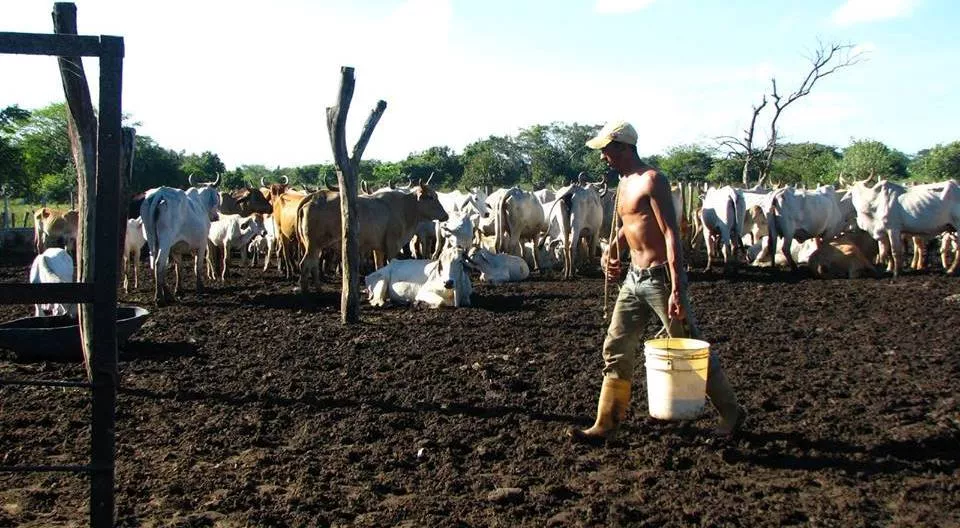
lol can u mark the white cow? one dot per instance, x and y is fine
(801, 215)
(52, 266)
(584, 211)
(259, 246)
(176, 222)
(227, 232)
(721, 220)
(498, 268)
(133, 242)
(441, 282)
(888, 210)
(456, 231)
(518, 217)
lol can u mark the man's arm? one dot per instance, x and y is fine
(661, 201)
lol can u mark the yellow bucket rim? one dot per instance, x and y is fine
(676, 343)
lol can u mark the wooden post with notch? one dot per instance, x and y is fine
(348, 168)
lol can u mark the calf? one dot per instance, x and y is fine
(498, 268)
(53, 227)
(441, 282)
(54, 265)
(228, 232)
(132, 244)
(838, 260)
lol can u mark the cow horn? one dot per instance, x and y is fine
(841, 180)
(190, 179)
(581, 178)
(326, 181)
(603, 191)
(286, 181)
(216, 181)
(262, 184)
(430, 178)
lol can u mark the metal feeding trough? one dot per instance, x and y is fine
(58, 337)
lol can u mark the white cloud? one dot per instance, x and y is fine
(859, 11)
(608, 7)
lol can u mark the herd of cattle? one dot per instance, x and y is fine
(421, 244)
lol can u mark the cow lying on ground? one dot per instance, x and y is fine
(840, 260)
(441, 282)
(54, 265)
(498, 268)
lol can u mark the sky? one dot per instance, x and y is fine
(250, 80)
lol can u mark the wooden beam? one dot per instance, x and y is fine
(102, 357)
(44, 44)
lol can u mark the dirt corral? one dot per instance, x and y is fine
(251, 405)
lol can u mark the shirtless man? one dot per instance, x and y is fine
(655, 285)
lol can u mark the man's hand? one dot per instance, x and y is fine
(611, 266)
(674, 307)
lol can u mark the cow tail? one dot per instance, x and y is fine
(153, 231)
(738, 218)
(500, 222)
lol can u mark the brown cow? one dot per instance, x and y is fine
(245, 202)
(387, 220)
(52, 227)
(840, 259)
(285, 203)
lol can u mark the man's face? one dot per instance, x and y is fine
(612, 154)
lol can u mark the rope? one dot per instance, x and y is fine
(614, 244)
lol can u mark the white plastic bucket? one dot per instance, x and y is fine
(676, 377)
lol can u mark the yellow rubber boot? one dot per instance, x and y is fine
(612, 409)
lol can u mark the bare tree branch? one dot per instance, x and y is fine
(825, 61)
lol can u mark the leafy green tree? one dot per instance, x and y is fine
(540, 152)
(155, 166)
(45, 148)
(439, 161)
(203, 167)
(942, 162)
(12, 171)
(808, 164)
(494, 161)
(728, 171)
(865, 158)
(686, 163)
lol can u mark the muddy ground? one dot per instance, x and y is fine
(252, 406)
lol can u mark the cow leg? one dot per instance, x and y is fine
(126, 263)
(896, 251)
(226, 260)
(198, 265)
(726, 249)
(136, 269)
(787, 242)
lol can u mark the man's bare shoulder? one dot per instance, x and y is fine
(645, 181)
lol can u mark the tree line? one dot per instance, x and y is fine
(36, 163)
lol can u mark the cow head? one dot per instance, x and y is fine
(251, 201)
(428, 204)
(448, 282)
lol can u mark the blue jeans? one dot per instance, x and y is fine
(645, 293)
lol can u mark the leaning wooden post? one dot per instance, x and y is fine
(347, 173)
(97, 151)
(82, 129)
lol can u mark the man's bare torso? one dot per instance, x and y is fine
(641, 228)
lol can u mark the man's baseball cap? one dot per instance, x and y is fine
(619, 131)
